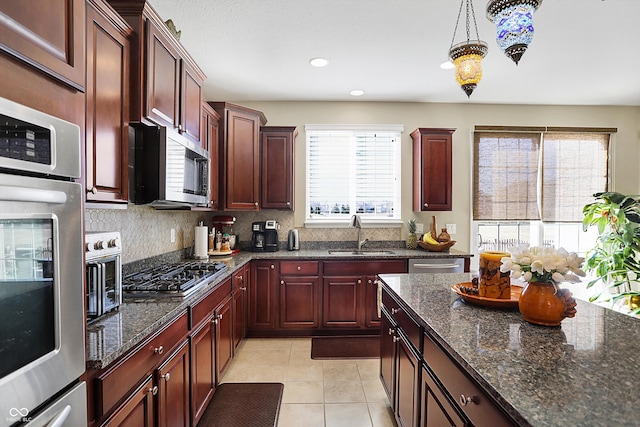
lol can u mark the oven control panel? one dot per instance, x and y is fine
(101, 244)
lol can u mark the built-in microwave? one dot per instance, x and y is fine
(166, 169)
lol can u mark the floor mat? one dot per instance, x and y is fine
(244, 405)
(354, 347)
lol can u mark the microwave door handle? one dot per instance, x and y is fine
(10, 193)
(92, 298)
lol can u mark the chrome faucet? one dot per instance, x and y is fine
(357, 223)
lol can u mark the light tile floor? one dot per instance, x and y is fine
(322, 393)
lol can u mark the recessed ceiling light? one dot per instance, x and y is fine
(447, 65)
(357, 92)
(318, 62)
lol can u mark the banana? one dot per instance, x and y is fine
(428, 238)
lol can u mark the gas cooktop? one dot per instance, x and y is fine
(179, 279)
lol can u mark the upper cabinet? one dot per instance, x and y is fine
(239, 156)
(432, 165)
(48, 35)
(210, 136)
(107, 104)
(277, 167)
(167, 83)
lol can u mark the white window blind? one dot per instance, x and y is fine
(353, 170)
(532, 176)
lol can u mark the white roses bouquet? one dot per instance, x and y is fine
(543, 264)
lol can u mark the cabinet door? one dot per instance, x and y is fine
(263, 292)
(341, 302)
(388, 331)
(436, 410)
(407, 383)
(240, 306)
(107, 107)
(163, 78)
(299, 302)
(210, 136)
(173, 394)
(224, 337)
(203, 375)
(138, 410)
(191, 102)
(48, 35)
(432, 169)
(371, 319)
(242, 189)
(277, 169)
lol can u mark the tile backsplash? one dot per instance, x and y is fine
(146, 231)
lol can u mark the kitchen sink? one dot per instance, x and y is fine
(368, 252)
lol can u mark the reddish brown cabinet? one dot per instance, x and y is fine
(350, 293)
(223, 320)
(240, 304)
(263, 295)
(173, 383)
(239, 144)
(48, 35)
(167, 83)
(107, 104)
(436, 409)
(203, 372)
(432, 169)
(299, 294)
(277, 144)
(139, 409)
(209, 141)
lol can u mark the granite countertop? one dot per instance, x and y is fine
(580, 373)
(115, 333)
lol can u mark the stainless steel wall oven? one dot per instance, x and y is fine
(42, 351)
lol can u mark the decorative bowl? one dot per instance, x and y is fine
(443, 246)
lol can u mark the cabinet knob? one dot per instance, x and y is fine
(158, 350)
(395, 310)
(369, 281)
(396, 339)
(273, 266)
(239, 277)
(359, 281)
(219, 316)
(93, 190)
(255, 203)
(465, 400)
(391, 331)
(153, 390)
(179, 127)
(166, 376)
(282, 282)
(426, 205)
(214, 321)
(288, 203)
(299, 268)
(244, 288)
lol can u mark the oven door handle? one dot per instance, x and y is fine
(12, 193)
(59, 420)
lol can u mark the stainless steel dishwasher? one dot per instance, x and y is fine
(436, 265)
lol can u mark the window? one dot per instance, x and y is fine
(353, 170)
(530, 185)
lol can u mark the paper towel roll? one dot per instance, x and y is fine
(201, 245)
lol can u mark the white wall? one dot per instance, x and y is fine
(463, 117)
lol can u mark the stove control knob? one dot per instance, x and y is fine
(99, 245)
(114, 243)
(89, 247)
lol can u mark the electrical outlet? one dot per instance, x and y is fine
(173, 235)
(451, 228)
(419, 228)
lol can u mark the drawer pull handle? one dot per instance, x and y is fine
(299, 268)
(395, 310)
(391, 331)
(396, 339)
(220, 316)
(166, 376)
(465, 400)
(436, 265)
(244, 288)
(153, 390)
(158, 350)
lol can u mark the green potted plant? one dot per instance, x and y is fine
(615, 259)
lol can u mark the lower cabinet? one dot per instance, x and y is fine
(223, 320)
(203, 372)
(139, 409)
(263, 294)
(240, 304)
(173, 383)
(436, 409)
(299, 294)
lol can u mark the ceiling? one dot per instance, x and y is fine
(584, 52)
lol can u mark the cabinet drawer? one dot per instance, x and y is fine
(362, 268)
(300, 268)
(411, 329)
(203, 308)
(115, 383)
(475, 404)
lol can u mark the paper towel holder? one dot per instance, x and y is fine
(201, 242)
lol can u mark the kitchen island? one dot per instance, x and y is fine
(579, 374)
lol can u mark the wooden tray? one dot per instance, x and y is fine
(489, 302)
(220, 253)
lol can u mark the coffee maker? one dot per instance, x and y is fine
(265, 236)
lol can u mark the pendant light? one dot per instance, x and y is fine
(467, 55)
(514, 24)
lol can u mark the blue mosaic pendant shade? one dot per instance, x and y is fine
(514, 25)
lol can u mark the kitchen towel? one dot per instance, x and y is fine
(201, 245)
